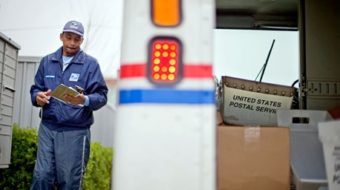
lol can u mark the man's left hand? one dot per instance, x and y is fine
(75, 100)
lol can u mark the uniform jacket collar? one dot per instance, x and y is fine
(78, 58)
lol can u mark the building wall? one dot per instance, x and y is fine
(26, 115)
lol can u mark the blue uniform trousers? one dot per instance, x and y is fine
(61, 159)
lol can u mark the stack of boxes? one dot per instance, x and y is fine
(264, 144)
(253, 152)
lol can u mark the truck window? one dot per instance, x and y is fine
(242, 53)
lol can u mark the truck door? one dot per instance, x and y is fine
(165, 130)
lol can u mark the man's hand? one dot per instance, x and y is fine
(43, 97)
(75, 100)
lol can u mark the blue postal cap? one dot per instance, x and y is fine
(74, 27)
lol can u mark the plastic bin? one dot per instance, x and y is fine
(329, 133)
(307, 162)
(302, 118)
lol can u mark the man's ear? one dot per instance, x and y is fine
(61, 36)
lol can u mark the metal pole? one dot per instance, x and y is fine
(265, 64)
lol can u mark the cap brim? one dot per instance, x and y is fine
(73, 31)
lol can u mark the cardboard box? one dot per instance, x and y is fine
(253, 158)
(219, 120)
(246, 102)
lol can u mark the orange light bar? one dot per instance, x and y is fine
(166, 13)
(164, 66)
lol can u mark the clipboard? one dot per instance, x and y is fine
(62, 90)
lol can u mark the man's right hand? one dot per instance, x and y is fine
(43, 97)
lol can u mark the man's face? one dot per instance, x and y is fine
(71, 43)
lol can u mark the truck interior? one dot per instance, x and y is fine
(318, 26)
(257, 14)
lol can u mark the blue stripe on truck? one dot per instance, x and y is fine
(166, 96)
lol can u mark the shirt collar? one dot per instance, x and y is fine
(78, 58)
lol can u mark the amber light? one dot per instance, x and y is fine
(164, 60)
(166, 13)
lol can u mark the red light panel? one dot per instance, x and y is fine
(164, 60)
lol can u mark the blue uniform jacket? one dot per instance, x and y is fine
(83, 71)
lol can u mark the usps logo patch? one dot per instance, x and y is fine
(74, 77)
